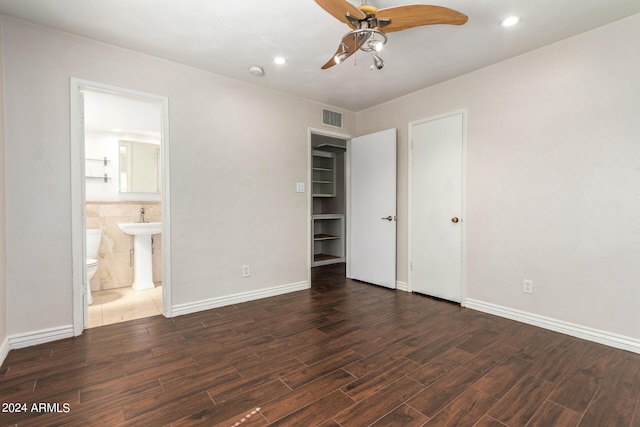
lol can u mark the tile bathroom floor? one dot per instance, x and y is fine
(121, 304)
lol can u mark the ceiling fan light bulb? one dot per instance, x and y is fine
(378, 45)
(340, 57)
(378, 62)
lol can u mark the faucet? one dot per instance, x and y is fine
(141, 214)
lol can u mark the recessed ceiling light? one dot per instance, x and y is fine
(256, 70)
(280, 60)
(116, 130)
(510, 21)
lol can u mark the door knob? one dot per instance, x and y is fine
(388, 218)
(454, 219)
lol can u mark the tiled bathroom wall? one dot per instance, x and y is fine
(115, 262)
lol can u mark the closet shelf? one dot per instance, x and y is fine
(328, 239)
(324, 257)
(323, 236)
(323, 180)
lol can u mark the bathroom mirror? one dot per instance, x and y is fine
(139, 167)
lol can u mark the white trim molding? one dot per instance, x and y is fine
(575, 330)
(196, 306)
(42, 336)
(4, 350)
(402, 286)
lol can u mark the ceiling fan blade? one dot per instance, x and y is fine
(350, 44)
(340, 8)
(403, 17)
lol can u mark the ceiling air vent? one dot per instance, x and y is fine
(331, 118)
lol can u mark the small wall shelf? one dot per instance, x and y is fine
(105, 177)
(104, 160)
(328, 239)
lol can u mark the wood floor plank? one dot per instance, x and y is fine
(288, 403)
(636, 416)
(490, 357)
(250, 419)
(551, 414)
(372, 362)
(85, 376)
(169, 411)
(247, 401)
(487, 421)
(614, 403)
(578, 387)
(443, 391)
(375, 381)
(437, 367)
(481, 341)
(402, 416)
(342, 353)
(380, 404)
(320, 369)
(559, 361)
(317, 412)
(517, 407)
(504, 376)
(463, 411)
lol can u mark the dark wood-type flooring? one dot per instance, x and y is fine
(343, 353)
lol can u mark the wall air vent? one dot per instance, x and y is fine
(331, 118)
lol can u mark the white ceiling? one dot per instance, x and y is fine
(228, 36)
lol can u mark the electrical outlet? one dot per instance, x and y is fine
(245, 271)
(527, 286)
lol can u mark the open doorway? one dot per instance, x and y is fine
(121, 178)
(328, 200)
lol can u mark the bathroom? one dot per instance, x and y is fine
(123, 176)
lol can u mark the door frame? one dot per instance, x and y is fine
(78, 195)
(347, 181)
(463, 261)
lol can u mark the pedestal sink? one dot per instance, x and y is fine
(141, 232)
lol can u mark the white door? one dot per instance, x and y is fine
(372, 213)
(436, 195)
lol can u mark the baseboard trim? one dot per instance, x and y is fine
(402, 286)
(575, 330)
(4, 350)
(40, 337)
(194, 307)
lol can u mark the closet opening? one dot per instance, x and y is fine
(329, 159)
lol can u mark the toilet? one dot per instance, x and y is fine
(93, 249)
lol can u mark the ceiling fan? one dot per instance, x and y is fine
(369, 25)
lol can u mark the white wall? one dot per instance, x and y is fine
(236, 152)
(553, 177)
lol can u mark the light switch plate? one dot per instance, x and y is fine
(300, 187)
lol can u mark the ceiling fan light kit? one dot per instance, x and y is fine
(369, 25)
